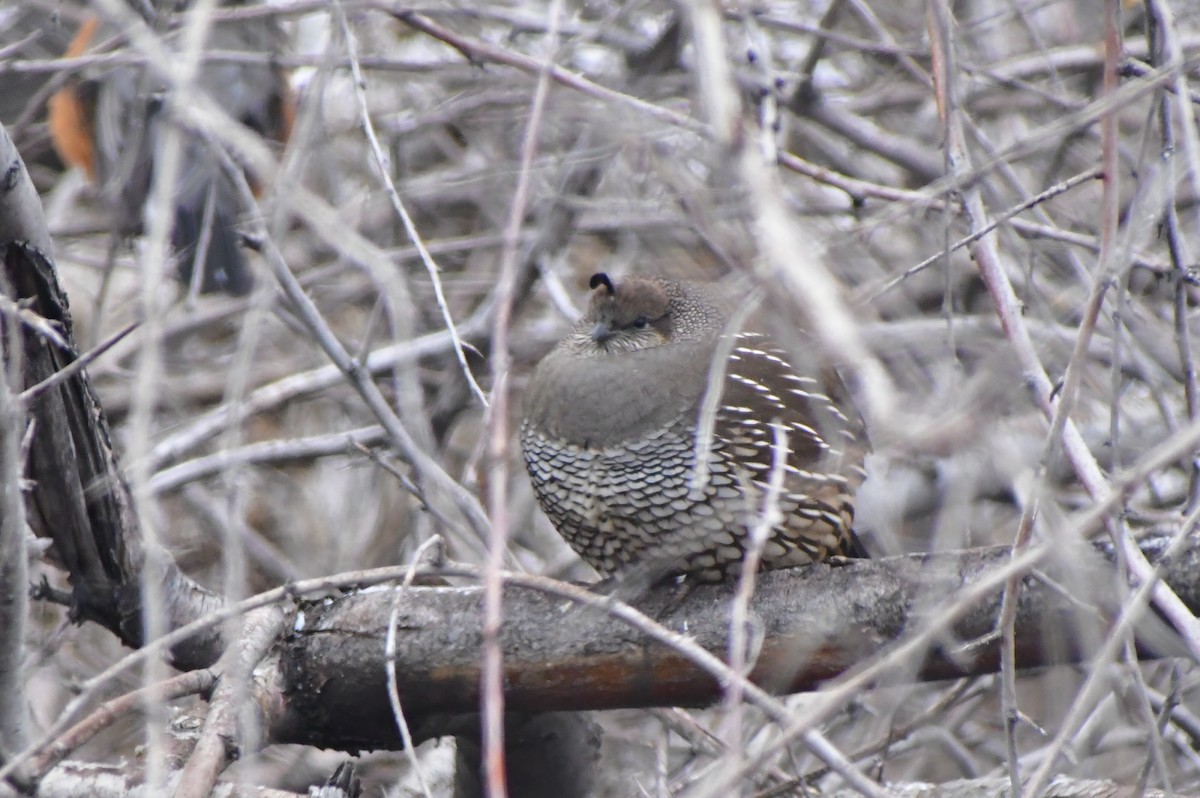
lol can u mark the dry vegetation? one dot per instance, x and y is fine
(788, 146)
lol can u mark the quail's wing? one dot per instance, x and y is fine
(762, 389)
(823, 436)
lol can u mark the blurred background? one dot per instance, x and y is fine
(265, 465)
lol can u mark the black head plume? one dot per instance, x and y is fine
(601, 279)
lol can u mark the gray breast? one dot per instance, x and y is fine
(620, 504)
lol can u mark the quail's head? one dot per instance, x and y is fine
(639, 313)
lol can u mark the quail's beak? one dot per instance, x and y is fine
(601, 332)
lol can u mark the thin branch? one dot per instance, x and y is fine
(104, 716)
(382, 163)
(492, 673)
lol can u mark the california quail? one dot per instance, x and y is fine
(610, 439)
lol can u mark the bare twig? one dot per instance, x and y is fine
(382, 163)
(226, 733)
(498, 437)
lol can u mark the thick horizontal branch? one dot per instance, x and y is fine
(816, 622)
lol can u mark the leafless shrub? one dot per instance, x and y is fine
(984, 216)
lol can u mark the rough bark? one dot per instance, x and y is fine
(817, 622)
(20, 220)
(77, 494)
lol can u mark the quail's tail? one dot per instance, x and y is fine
(852, 548)
(224, 266)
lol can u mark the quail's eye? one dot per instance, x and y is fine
(641, 322)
